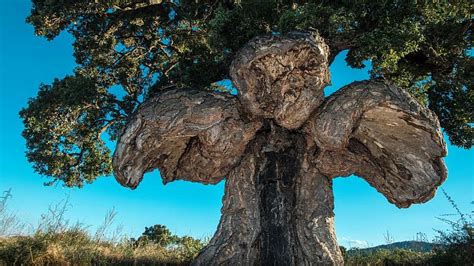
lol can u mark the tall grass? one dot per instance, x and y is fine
(454, 246)
(9, 222)
(57, 241)
(458, 241)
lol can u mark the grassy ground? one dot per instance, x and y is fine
(55, 241)
(75, 247)
(389, 257)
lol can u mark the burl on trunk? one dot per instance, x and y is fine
(278, 144)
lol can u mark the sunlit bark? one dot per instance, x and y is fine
(279, 143)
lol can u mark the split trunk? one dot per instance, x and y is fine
(277, 208)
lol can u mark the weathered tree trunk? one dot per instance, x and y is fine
(277, 209)
(279, 143)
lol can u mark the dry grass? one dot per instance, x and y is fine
(56, 241)
(77, 248)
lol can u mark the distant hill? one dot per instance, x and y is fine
(418, 246)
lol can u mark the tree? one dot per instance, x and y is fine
(279, 142)
(186, 247)
(158, 234)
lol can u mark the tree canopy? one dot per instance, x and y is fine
(144, 47)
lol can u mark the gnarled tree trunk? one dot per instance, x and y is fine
(278, 209)
(279, 143)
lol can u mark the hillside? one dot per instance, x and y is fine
(418, 246)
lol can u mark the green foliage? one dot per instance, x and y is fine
(189, 247)
(387, 257)
(186, 246)
(419, 45)
(74, 245)
(145, 47)
(63, 125)
(158, 234)
(458, 246)
(457, 243)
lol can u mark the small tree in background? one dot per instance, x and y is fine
(185, 247)
(158, 234)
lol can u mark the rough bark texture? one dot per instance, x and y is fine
(282, 78)
(280, 144)
(191, 135)
(380, 133)
(277, 208)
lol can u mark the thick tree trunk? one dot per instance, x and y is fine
(277, 209)
(279, 143)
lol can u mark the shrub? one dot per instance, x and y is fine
(456, 244)
(387, 257)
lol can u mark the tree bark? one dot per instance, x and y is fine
(277, 208)
(380, 133)
(278, 144)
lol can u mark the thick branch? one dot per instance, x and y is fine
(191, 135)
(277, 208)
(380, 133)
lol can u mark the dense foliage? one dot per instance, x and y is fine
(142, 47)
(160, 235)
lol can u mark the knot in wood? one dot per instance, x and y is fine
(282, 77)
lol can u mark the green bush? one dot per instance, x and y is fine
(456, 243)
(387, 257)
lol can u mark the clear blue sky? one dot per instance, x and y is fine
(362, 214)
